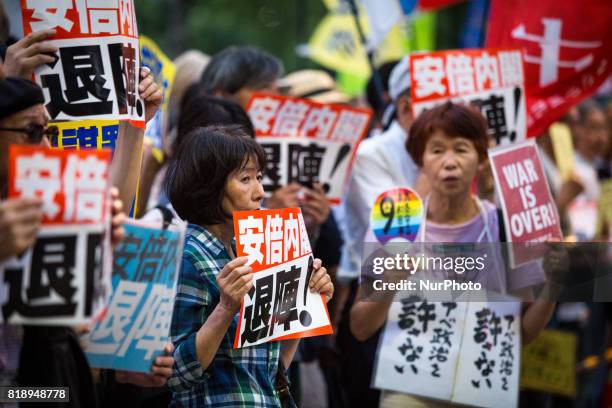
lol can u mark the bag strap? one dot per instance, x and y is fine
(282, 382)
(166, 214)
(501, 226)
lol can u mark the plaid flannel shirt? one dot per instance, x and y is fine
(242, 377)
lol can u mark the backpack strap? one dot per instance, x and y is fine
(166, 214)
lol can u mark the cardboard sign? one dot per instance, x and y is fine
(72, 184)
(530, 213)
(134, 327)
(549, 363)
(59, 279)
(87, 134)
(280, 305)
(96, 71)
(463, 352)
(307, 142)
(489, 79)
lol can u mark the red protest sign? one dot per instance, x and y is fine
(489, 79)
(567, 48)
(280, 305)
(73, 184)
(96, 72)
(530, 213)
(307, 142)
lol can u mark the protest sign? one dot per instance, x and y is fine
(72, 184)
(86, 134)
(163, 71)
(530, 213)
(396, 215)
(307, 142)
(422, 341)
(488, 79)
(96, 71)
(58, 280)
(135, 327)
(280, 305)
(549, 363)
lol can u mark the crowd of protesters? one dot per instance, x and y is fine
(212, 165)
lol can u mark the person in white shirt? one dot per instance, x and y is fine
(381, 163)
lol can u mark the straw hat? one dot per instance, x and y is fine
(313, 84)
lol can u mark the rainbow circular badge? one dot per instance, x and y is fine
(396, 215)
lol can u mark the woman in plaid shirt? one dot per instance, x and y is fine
(218, 170)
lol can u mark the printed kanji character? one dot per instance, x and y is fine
(487, 71)
(460, 74)
(127, 17)
(152, 324)
(494, 111)
(109, 135)
(50, 17)
(251, 236)
(50, 289)
(511, 67)
(285, 298)
(257, 314)
(126, 251)
(39, 176)
(103, 17)
(272, 178)
(538, 108)
(305, 247)
(262, 111)
(289, 118)
(123, 64)
(85, 188)
(88, 137)
(83, 72)
(151, 259)
(428, 76)
(305, 163)
(110, 333)
(274, 239)
(480, 334)
(506, 367)
(291, 236)
(69, 139)
(507, 347)
(349, 126)
(319, 122)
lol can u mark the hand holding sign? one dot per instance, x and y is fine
(235, 280)
(320, 282)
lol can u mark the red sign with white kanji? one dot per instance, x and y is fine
(307, 142)
(530, 212)
(72, 184)
(489, 79)
(567, 47)
(95, 74)
(280, 305)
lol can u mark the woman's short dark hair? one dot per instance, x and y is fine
(196, 177)
(199, 109)
(235, 68)
(455, 121)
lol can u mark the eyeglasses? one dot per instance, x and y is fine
(35, 133)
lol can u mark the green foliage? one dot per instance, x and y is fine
(277, 26)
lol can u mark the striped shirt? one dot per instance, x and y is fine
(242, 377)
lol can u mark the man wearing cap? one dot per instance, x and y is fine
(381, 163)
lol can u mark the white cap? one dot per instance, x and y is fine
(399, 80)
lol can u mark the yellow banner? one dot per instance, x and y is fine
(563, 147)
(163, 71)
(549, 363)
(86, 134)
